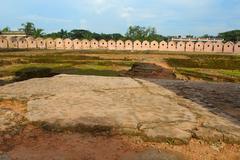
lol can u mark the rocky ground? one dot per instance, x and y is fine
(64, 108)
(151, 70)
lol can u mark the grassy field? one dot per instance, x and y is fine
(209, 67)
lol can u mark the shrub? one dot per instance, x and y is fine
(206, 61)
(33, 72)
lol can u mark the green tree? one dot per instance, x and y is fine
(156, 37)
(96, 36)
(143, 33)
(117, 36)
(233, 35)
(6, 29)
(28, 28)
(106, 36)
(189, 36)
(81, 34)
(63, 33)
(114, 36)
(207, 36)
(136, 32)
(38, 32)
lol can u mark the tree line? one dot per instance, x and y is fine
(133, 33)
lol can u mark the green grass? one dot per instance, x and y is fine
(87, 71)
(232, 73)
(205, 63)
(192, 72)
(34, 72)
(59, 63)
(210, 74)
(208, 67)
(75, 58)
(11, 70)
(112, 63)
(213, 67)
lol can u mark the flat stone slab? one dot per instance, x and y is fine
(116, 105)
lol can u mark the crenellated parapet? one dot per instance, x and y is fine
(137, 45)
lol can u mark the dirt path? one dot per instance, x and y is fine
(37, 144)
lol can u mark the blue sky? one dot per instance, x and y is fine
(170, 17)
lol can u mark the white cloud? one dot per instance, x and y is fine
(131, 14)
(44, 19)
(100, 6)
(187, 3)
(173, 16)
(127, 12)
(83, 24)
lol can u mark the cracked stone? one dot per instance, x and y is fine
(134, 106)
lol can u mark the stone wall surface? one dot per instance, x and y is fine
(228, 47)
(137, 45)
(199, 47)
(218, 47)
(154, 45)
(41, 43)
(145, 45)
(31, 43)
(68, 43)
(208, 47)
(50, 43)
(12, 42)
(190, 47)
(3, 43)
(76, 44)
(85, 44)
(94, 44)
(237, 47)
(120, 45)
(163, 46)
(128, 45)
(22, 43)
(59, 43)
(180, 46)
(103, 44)
(172, 46)
(111, 45)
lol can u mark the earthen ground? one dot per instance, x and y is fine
(88, 117)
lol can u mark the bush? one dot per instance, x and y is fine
(206, 61)
(33, 72)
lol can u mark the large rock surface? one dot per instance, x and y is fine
(119, 105)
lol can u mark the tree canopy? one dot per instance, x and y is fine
(6, 29)
(61, 34)
(133, 33)
(37, 32)
(143, 33)
(207, 36)
(233, 35)
(30, 29)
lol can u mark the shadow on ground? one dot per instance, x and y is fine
(222, 99)
(83, 71)
(43, 72)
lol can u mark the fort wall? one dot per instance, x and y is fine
(76, 44)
